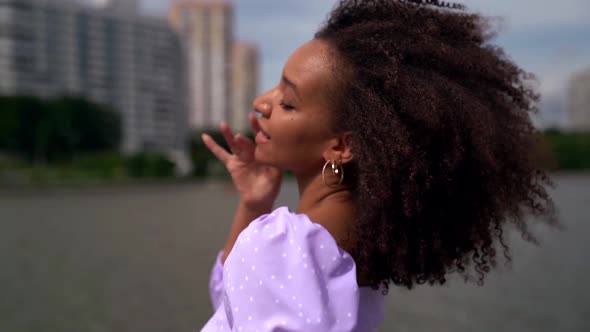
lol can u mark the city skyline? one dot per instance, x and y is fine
(545, 37)
(579, 96)
(113, 57)
(207, 34)
(165, 77)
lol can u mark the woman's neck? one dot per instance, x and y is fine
(314, 193)
(331, 207)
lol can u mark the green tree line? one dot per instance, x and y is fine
(73, 137)
(559, 150)
(47, 131)
(568, 150)
(69, 137)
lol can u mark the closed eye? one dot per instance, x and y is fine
(287, 107)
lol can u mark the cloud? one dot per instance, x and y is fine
(279, 32)
(547, 37)
(521, 13)
(535, 13)
(277, 27)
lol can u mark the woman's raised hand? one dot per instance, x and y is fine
(258, 184)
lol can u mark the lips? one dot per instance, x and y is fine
(262, 137)
(264, 133)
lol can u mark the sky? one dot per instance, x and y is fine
(547, 37)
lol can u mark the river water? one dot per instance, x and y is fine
(137, 258)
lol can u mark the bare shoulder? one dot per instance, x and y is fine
(338, 218)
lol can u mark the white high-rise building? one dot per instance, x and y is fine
(96, 3)
(579, 101)
(111, 55)
(131, 6)
(122, 6)
(245, 84)
(206, 28)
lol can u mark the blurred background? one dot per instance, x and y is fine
(112, 211)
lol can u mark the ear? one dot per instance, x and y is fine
(340, 148)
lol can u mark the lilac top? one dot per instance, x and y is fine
(286, 273)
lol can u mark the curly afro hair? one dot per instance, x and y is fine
(442, 137)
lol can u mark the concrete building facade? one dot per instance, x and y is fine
(245, 84)
(206, 29)
(109, 54)
(578, 113)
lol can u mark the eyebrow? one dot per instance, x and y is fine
(292, 85)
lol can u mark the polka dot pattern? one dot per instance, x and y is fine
(286, 273)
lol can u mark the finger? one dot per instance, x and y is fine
(274, 172)
(244, 142)
(254, 123)
(228, 135)
(245, 147)
(215, 148)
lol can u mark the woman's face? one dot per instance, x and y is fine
(296, 114)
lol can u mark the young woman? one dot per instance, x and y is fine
(410, 138)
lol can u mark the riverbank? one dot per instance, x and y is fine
(137, 258)
(128, 182)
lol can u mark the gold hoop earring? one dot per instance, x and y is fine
(337, 170)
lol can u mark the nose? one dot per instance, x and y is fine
(263, 104)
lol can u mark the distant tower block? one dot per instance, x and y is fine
(245, 84)
(579, 101)
(98, 3)
(206, 29)
(105, 52)
(126, 6)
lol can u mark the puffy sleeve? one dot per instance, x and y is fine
(216, 282)
(286, 273)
